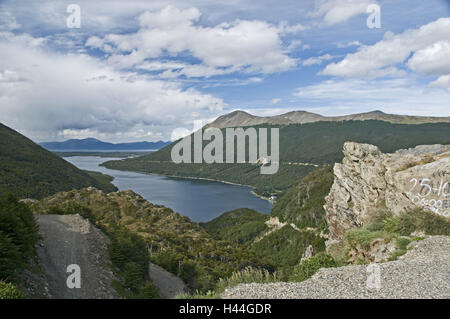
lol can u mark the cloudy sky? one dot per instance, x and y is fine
(142, 70)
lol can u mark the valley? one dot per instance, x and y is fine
(188, 231)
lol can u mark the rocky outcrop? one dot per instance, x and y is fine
(378, 250)
(368, 180)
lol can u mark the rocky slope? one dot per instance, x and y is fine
(368, 180)
(423, 272)
(241, 118)
(67, 240)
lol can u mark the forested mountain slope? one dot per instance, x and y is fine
(29, 171)
(301, 147)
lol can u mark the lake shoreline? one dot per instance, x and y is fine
(200, 199)
(199, 178)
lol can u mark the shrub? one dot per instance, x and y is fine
(419, 220)
(132, 276)
(9, 291)
(408, 222)
(310, 266)
(247, 275)
(148, 291)
(363, 237)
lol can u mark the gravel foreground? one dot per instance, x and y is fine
(423, 272)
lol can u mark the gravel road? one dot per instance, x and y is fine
(66, 240)
(423, 272)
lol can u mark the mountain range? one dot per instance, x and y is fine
(92, 144)
(241, 118)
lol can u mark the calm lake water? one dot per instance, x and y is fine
(199, 200)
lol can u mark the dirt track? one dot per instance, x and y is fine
(66, 240)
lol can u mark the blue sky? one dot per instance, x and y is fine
(144, 70)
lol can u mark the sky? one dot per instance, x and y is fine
(146, 70)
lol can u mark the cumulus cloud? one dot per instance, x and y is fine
(429, 45)
(432, 60)
(400, 96)
(247, 46)
(337, 11)
(56, 94)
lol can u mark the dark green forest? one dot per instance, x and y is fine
(29, 171)
(18, 237)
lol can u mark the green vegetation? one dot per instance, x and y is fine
(317, 143)
(240, 226)
(129, 254)
(308, 267)
(412, 221)
(128, 251)
(29, 171)
(245, 276)
(9, 291)
(18, 236)
(103, 181)
(362, 237)
(173, 241)
(302, 205)
(384, 226)
(286, 245)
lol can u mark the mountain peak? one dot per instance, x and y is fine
(240, 118)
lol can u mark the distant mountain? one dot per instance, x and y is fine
(30, 171)
(241, 118)
(94, 144)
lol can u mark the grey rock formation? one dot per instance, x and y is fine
(368, 180)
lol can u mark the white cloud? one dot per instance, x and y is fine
(442, 82)
(337, 11)
(275, 101)
(429, 44)
(317, 60)
(432, 60)
(349, 44)
(399, 96)
(248, 46)
(288, 29)
(73, 94)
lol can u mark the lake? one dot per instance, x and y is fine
(199, 200)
